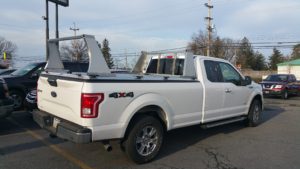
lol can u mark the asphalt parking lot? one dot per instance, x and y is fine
(275, 144)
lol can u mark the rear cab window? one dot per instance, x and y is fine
(168, 64)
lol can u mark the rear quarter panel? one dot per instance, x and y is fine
(181, 103)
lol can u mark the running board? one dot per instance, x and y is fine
(222, 122)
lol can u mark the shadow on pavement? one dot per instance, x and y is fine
(27, 146)
(270, 111)
(180, 139)
(175, 140)
(18, 123)
(8, 126)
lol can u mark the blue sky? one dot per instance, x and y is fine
(135, 25)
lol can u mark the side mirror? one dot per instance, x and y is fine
(34, 76)
(247, 81)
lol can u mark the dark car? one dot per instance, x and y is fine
(21, 81)
(6, 71)
(6, 103)
(283, 85)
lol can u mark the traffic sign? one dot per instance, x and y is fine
(64, 3)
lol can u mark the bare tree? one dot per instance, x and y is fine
(220, 47)
(198, 43)
(77, 51)
(8, 47)
(230, 48)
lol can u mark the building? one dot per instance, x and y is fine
(290, 67)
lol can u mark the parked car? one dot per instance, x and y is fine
(6, 103)
(21, 81)
(6, 71)
(283, 85)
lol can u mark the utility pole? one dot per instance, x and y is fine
(75, 29)
(209, 27)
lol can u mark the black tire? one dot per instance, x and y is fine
(285, 94)
(254, 115)
(150, 132)
(18, 98)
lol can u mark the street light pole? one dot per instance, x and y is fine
(46, 18)
(56, 20)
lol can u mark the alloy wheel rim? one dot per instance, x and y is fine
(285, 94)
(17, 100)
(256, 113)
(147, 140)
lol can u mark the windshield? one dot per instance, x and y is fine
(277, 78)
(24, 70)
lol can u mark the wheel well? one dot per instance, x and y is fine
(259, 98)
(17, 90)
(152, 110)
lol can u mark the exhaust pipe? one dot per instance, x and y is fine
(107, 146)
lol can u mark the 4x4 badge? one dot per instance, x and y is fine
(121, 94)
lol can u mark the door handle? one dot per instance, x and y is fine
(228, 91)
(250, 87)
(52, 82)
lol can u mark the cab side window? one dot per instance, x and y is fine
(213, 71)
(292, 78)
(230, 74)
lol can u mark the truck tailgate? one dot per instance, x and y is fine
(60, 98)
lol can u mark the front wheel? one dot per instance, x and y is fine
(254, 115)
(18, 98)
(144, 139)
(285, 94)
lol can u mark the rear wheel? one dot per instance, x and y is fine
(254, 115)
(18, 98)
(144, 139)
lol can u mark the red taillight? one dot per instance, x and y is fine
(90, 104)
(169, 57)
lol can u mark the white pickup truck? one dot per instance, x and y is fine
(139, 108)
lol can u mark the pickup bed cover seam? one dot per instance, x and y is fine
(118, 80)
